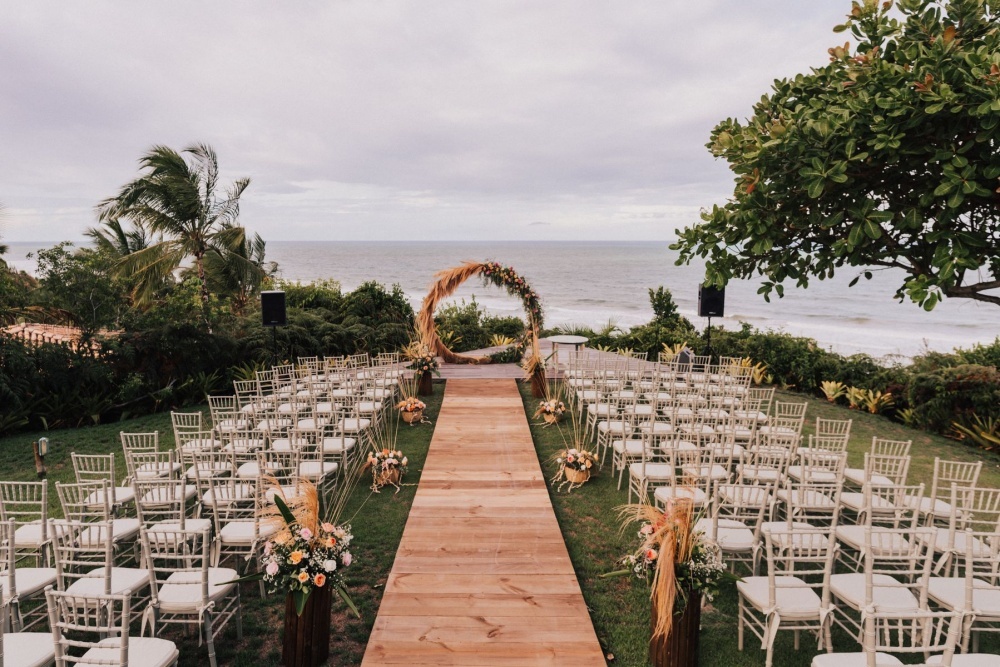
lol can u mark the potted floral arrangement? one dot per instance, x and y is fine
(388, 467)
(574, 466)
(305, 559)
(682, 566)
(411, 409)
(551, 411)
(424, 365)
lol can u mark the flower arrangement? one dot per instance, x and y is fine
(411, 404)
(551, 411)
(412, 410)
(673, 558)
(388, 467)
(506, 277)
(574, 467)
(306, 554)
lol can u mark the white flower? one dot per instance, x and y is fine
(330, 565)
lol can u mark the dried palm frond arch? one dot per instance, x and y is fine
(445, 284)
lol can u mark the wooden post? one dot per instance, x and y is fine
(306, 642)
(425, 386)
(538, 384)
(680, 647)
(39, 461)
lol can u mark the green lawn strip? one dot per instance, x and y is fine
(377, 524)
(619, 606)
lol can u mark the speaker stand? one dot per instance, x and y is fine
(708, 340)
(274, 345)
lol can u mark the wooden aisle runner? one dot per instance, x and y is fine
(482, 575)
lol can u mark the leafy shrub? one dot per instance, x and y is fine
(940, 397)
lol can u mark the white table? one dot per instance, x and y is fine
(576, 341)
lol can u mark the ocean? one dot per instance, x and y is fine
(594, 283)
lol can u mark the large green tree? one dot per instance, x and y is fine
(178, 199)
(886, 157)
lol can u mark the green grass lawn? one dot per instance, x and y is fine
(377, 521)
(619, 606)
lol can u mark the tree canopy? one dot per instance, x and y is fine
(887, 157)
(182, 203)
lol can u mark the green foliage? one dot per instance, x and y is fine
(466, 326)
(886, 157)
(948, 394)
(81, 282)
(319, 294)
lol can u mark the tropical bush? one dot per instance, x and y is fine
(940, 397)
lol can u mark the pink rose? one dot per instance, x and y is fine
(271, 569)
(306, 534)
(347, 559)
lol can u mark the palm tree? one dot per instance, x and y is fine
(3, 246)
(117, 239)
(239, 271)
(178, 201)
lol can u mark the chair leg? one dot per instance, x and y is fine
(209, 640)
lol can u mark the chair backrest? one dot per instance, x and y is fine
(892, 506)
(976, 519)
(160, 499)
(81, 549)
(185, 421)
(140, 442)
(910, 632)
(807, 554)
(748, 503)
(25, 502)
(886, 447)
(85, 501)
(964, 474)
(8, 561)
(169, 551)
(899, 558)
(94, 621)
(94, 468)
(833, 428)
(890, 466)
(789, 415)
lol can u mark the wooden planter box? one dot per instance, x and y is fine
(307, 637)
(680, 648)
(425, 386)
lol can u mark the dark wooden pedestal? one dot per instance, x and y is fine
(306, 642)
(680, 648)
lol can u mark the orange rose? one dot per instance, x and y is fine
(303, 577)
(651, 554)
(295, 557)
(332, 542)
(319, 580)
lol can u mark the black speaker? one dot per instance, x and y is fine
(272, 308)
(711, 301)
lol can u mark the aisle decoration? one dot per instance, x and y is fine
(388, 467)
(424, 365)
(682, 566)
(492, 273)
(305, 559)
(551, 411)
(411, 409)
(575, 467)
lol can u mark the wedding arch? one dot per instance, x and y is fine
(492, 273)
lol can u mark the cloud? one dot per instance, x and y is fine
(358, 119)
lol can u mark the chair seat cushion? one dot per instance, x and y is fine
(121, 530)
(794, 598)
(337, 444)
(888, 594)
(28, 649)
(353, 425)
(949, 592)
(120, 495)
(142, 652)
(666, 493)
(317, 469)
(942, 542)
(30, 535)
(654, 471)
(856, 476)
(795, 472)
(165, 496)
(855, 660)
(628, 447)
(855, 501)
(802, 497)
(968, 660)
(732, 535)
(884, 544)
(242, 532)
(155, 470)
(29, 580)
(122, 579)
(747, 496)
(228, 494)
(182, 590)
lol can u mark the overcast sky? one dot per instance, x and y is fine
(361, 119)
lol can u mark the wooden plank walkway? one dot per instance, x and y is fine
(482, 575)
